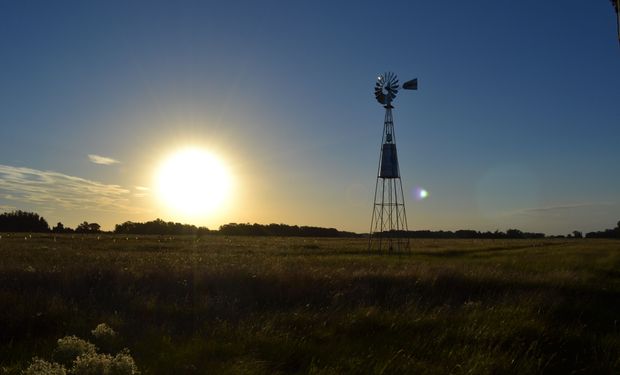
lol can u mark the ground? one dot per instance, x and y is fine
(265, 305)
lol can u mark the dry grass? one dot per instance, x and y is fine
(322, 306)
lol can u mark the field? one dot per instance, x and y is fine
(260, 305)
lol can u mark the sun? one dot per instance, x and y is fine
(193, 183)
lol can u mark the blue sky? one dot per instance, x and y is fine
(515, 124)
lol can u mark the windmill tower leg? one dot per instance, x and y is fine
(388, 226)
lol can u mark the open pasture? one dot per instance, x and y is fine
(266, 305)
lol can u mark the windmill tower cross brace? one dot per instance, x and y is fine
(388, 224)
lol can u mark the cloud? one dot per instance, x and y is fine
(142, 191)
(561, 209)
(103, 160)
(48, 189)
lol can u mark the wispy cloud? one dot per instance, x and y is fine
(53, 189)
(103, 160)
(141, 191)
(561, 209)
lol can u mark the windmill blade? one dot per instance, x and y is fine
(411, 85)
(386, 88)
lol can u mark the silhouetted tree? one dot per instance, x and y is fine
(20, 221)
(514, 233)
(159, 226)
(577, 234)
(255, 229)
(607, 233)
(59, 228)
(468, 233)
(87, 227)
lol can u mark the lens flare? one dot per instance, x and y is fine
(419, 193)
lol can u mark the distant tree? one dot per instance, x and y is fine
(607, 233)
(59, 228)
(577, 234)
(158, 226)
(466, 233)
(234, 229)
(87, 227)
(514, 233)
(21, 221)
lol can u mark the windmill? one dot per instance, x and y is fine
(389, 218)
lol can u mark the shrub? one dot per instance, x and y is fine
(92, 364)
(103, 331)
(81, 357)
(42, 367)
(123, 363)
(105, 338)
(71, 347)
(105, 364)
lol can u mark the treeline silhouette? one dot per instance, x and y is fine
(158, 226)
(281, 230)
(607, 233)
(21, 221)
(463, 233)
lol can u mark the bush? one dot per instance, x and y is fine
(123, 363)
(71, 347)
(81, 357)
(103, 331)
(42, 367)
(105, 364)
(105, 338)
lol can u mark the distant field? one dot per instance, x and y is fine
(218, 305)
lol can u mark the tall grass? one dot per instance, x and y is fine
(323, 306)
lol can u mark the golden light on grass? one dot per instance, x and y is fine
(193, 182)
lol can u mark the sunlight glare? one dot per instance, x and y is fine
(193, 182)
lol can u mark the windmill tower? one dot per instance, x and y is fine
(389, 218)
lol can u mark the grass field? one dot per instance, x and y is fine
(218, 305)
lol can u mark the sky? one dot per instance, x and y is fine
(515, 123)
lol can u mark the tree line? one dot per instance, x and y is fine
(463, 233)
(158, 226)
(281, 230)
(21, 221)
(607, 233)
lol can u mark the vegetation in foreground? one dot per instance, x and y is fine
(264, 305)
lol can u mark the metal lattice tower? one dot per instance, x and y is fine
(388, 225)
